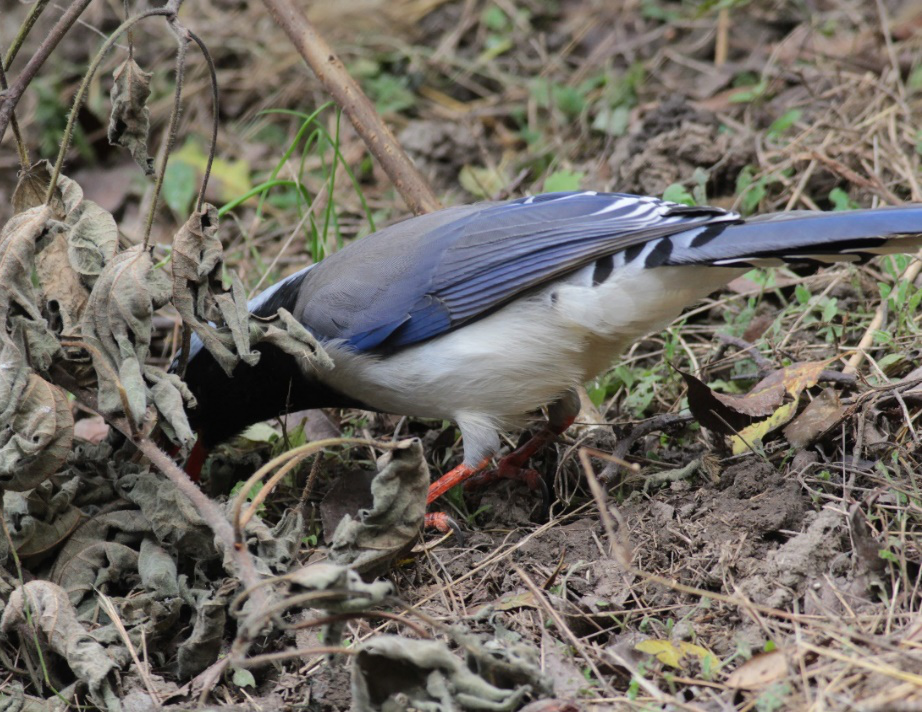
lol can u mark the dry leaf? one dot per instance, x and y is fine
(64, 295)
(117, 327)
(294, 340)
(129, 123)
(824, 412)
(424, 674)
(673, 653)
(38, 436)
(18, 245)
(42, 607)
(755, 433)
(759, 671)
(31, 187)
(198, 294)
(378, 535)
(730, 414)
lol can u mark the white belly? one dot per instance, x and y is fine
(528, 353)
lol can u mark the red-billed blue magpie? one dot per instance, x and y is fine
(484, 313)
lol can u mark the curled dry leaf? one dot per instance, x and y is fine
(289, 335)
(117, 327)
(42, 607)
(348, 592)
(37, 437)
(729, 414)
(31, 188)
(14, 376)
(64, 295)
(423, 674)
(129, 123)
(18, 245)
(380, 534)
(38, 530)
(198, 293)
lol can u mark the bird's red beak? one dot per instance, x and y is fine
(196, 460)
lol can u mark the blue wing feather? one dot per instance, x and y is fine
(422, 278)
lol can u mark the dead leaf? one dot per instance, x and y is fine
(41, 607)
(746, 439)
(673, 653)
(729, 414)
(129, 123)
(350, 493)
(18, 245)
(424, 674)
(37, 533)
(31, 187)
(117, 326)
(198, 293)
(38, 436)
(378, 535)
(759, 671)
(64, 295)
(823, 413)
(513, 601)
(289, 335)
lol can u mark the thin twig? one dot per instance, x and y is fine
(182, 37)
(11, 97)
(24, 162)
(361, 112)
(167, 10)
(34, 13)
(215, 117)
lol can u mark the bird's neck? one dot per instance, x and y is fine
(276, 385)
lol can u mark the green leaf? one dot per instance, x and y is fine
(678, 193)
(784, 122)
(750, 94)
(613, 122)
(802, 294)
(390, 93)
(180, 186)
(243, 678)
(840, 200)
(563, 181)
(495, 19)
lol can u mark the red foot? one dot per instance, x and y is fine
(440, 521)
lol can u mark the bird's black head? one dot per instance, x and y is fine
(276, 385)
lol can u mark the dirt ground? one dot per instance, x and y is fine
(785, 577)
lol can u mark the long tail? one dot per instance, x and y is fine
(802, 236)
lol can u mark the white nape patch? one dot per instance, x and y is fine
(264, 296)
(488, 374)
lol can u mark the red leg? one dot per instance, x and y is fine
(453, 478)
(512, 467)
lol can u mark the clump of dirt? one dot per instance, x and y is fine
(671, 141)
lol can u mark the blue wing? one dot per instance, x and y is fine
(421, 278)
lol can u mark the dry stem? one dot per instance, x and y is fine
(361, 112)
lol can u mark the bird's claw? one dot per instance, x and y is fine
(443, 523)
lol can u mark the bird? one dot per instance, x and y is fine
(483, 314)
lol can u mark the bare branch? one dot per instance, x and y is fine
(12, 96)
(361, 112)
